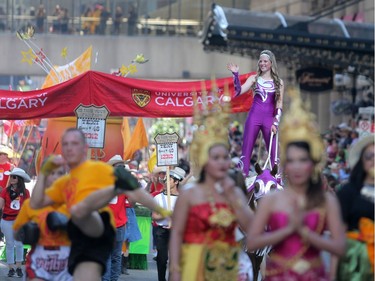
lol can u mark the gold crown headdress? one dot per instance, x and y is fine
(211, 123)
(298, 125)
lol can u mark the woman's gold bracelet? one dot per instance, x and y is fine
(305, 233)
(237, 204)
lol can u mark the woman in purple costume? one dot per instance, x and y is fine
(266, 110)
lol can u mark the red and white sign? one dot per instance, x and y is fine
(166, 149)
(91, 120)
(365, 127)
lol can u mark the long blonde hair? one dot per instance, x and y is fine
(274, 73)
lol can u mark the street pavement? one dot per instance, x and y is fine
(135, 275)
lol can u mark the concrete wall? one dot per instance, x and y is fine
(169, 56)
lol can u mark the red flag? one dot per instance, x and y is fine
(13, 126)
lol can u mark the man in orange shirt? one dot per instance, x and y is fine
(86, 191)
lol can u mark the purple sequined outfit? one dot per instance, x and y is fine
(260, 117)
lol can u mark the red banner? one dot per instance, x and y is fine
(122, 96)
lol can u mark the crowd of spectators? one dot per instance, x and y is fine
(338, 140)
(94, 19)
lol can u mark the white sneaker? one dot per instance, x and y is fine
(249, 181)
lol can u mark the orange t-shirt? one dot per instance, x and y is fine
(83, 180)
(47, 237)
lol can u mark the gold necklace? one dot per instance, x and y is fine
(222, 217)
(300, 199)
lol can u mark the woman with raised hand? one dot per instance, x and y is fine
(266, 110)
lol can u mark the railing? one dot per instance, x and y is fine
(76, 25)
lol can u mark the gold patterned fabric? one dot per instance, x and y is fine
(210, 251)
(215, 262)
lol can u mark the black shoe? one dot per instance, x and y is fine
(124, 271)
(124, 265)
(28, 233)
(19, 272)
(57, 221)
(125, 181)
(11, 272)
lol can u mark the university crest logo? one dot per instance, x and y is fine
(141, 97)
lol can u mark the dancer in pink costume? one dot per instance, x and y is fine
(293, 220)
(266, 110)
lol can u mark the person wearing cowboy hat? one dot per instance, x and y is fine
(11, 200)
(126, 223)
(118, 161)
(357, 209)
(157, 180)
(5, 166)
(163, 225)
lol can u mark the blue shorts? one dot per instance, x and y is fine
(132, 232)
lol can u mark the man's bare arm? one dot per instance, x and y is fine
(38, 198)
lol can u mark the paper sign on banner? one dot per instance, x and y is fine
(92, 120)
(166, 149)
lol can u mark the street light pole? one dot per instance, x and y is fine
(354, 92)
(201, 14)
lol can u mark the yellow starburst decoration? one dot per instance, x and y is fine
(140, 59)
(27, 35)
(64, 52)
(132, 68)
(30, 32)
(124, 70)
(28, 56)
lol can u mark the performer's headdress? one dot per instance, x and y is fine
(211, 123)
(298, 125)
